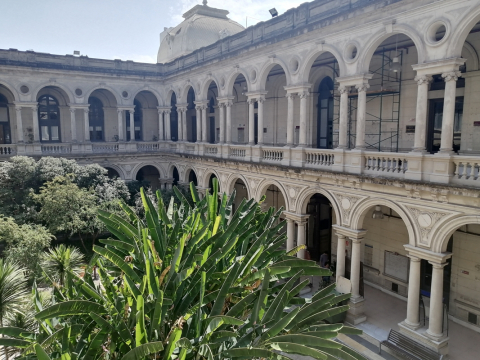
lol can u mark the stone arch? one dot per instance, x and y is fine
(262, 188)
(206, 85)
(187, 171)
(184, 93)
(206, 179)
(52, 84)
(304, 197)
(366, 53)
(150, 90)
(13, 96)
(262, 78)
(310, 59)
(442, 234)
(230, 184)
(137, 168)
(459, 36)
(360, 209)
(117, 168)
(472, 58)
(105, 96)
(168, 99)
(231, 80)
(169, 172)
(106, 88)
(59, 93)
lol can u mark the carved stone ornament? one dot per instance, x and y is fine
(451, 75)
(423, 79)
(425, 220)
(343, 89)
(292, 192)
(347, 202)
(362, 87)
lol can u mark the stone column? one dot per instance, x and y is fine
(343, 121)
(180, 123)
(303, 117)
(290, 234)
(421, 112)
(184, 123)
(132, 124)
(361, 116)
(120, 124)
(261, 100)
(340, 256)
(228, 129)
(161, 134)
(435, 330)
(251, 121)
(290, 126)
(18, 113)
(86, 122)
(198, 108)
(73, 124)
(301, 237)
(221, 106)
(36, 125)
(355, 268)
(204, 124)
(449, 110)
(413, 319)
(166, 117)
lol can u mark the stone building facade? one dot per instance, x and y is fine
(359, 117)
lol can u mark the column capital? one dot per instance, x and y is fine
(290, 95)
(162, 109)
(353, 80)
(413, 258)
(256, 94)
(451, 75)
(342, 89)
(427, 254)
(362, 87)
(128, 108)
(72, 110)
(350, 233)
(131, 111)
(303, 94)
(423, 79)
(198, 107)
(295, 217)
(437, 265)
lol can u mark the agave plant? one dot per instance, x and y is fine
(190, 283)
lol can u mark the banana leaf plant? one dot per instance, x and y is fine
(195, 281)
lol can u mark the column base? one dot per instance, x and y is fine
(356, 315)
(410, 325)
(421, 336)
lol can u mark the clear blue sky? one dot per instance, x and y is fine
(109, 29)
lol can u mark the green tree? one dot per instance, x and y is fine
(59, 261)
(24, 244)
(191, 282)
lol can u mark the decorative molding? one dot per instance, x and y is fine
(425, 219)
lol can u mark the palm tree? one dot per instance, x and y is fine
(58, 261)
(13, 290)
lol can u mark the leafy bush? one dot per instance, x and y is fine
(189, 282)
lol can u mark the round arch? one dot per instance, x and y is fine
(137, 168)
(459, 37)
(230, 184)
(366, 53)
(187, 173)
(206, 85)
(472, 57)
(310, 59)
(231, 80)
(360, 209)
(66, 92)
(262, 189)
(115, 168)
(184, 93)
(152, 91)
(12, 90)
(442, 234)
(106, 88)
(304, 197)
(206, 179)
(262, 78)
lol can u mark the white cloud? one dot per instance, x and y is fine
(239, 10)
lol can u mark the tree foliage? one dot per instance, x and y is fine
(189, 282)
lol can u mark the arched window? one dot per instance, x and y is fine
(96, 119)
(325, 114)
(137, 121)
(174, 118)
(5, 137)
(49, 119)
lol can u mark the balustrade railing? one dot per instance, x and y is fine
(238, 152)
(272, 154)
(318, 157)
(211, 150)
(56, 149)
(467, 169)
(386, 163)
(148, 146)
(190, 149)
(105, 148)
(8, 150)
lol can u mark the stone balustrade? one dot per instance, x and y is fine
(453, 169)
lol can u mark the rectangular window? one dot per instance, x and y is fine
(45, 136)
(55, 135)
(472, 318)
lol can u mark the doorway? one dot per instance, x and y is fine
(319, 230)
